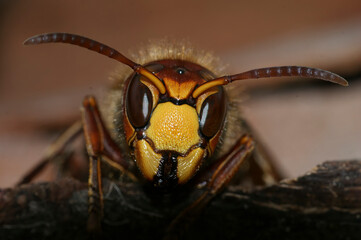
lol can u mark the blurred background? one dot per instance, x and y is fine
(302, 122)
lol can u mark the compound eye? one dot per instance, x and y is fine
(213, 113)
(138, 102)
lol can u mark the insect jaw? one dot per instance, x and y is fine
(166, 168)
(166, 176)
(175, 169)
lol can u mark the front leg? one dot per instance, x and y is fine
(213, 180)
(100, 146)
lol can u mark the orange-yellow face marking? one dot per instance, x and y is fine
(174, 127)
(189, 164)
(147, 159)
(179, 90)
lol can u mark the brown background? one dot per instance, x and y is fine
(41, 87)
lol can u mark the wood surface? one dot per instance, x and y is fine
(325, 203)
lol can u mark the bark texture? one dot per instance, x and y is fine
(325, 203)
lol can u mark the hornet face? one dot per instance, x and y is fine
(171, 134)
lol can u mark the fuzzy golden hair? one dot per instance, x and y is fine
(182, 50)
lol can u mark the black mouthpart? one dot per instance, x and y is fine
(166, 177)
